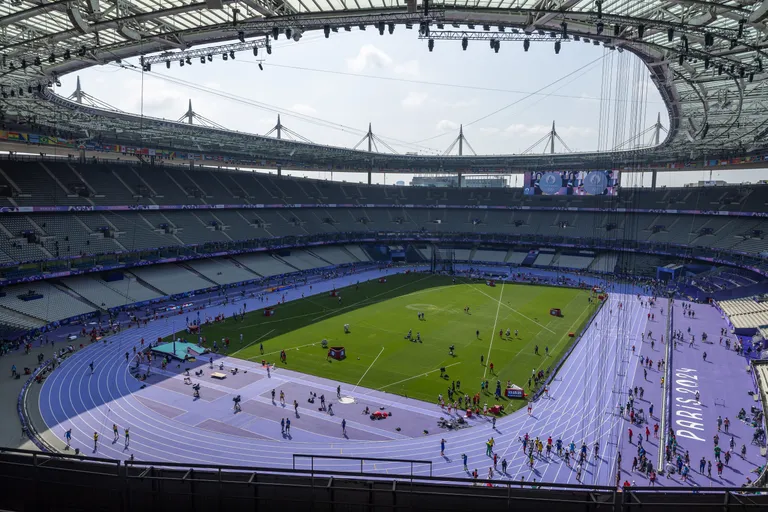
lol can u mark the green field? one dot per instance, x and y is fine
(380, 315)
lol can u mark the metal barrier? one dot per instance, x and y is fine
(362, 461)
(77, 483)
(666, 392)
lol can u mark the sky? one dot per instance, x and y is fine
(329, 90)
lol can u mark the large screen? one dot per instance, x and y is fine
(571, 183)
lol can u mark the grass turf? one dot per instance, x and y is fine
(380, 314)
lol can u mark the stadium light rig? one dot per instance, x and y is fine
(557, 47)
(464, 43)
(526, 44)
(431, 44)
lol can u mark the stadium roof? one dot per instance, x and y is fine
(705, 58)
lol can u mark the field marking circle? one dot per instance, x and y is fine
(422, 307)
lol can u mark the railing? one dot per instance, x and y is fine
(666, 392)
(77, 482)
(21, 408)
(362, 461)
(762, 388)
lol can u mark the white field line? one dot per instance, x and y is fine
(416, 376)
(516, 311)
(493, 331)
(254, 341)
(369, 369)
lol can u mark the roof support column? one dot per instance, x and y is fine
(460, 176)
(279, 170)
(369, 177)
(654, 175)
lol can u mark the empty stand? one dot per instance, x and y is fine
(54, 305)
(265, 264)
(172, 279)
(222, 270)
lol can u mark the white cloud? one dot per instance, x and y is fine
(414, 100)
(304, 109)
(446, 125)
(372, 58)
(367, 58)
(159, 99)
(410, 68)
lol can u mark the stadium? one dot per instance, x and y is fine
(197, 316)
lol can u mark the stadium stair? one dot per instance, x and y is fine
(226, 187)
(245, 194)
(147, 284)
(170, 176)
(19, 320)
(144, 182)
(127, 187)
(40, 231)
(347, 251)
(59, 183)
(198, 274)
(206, 195)
(63, 288)
(12, 183)
(82, 179)
(92, 232)
(313, 253)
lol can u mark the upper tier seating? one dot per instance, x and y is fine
(41, 236)
(69, 183)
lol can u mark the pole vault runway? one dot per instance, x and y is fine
(167, 424)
